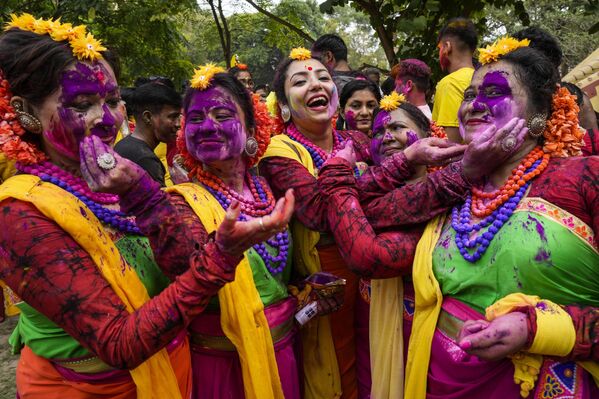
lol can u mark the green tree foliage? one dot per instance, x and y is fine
(143, 33)
(570, 21)
(409, 28)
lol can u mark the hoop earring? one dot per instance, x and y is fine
(285, 113)
(28, 121)
(251, 147)
(536, 125)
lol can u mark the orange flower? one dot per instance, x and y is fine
(11, 143)
(563, 135)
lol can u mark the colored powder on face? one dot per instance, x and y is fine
(350, 120)
(68, 131)
(495, 98)
(208, 139)
(378, 135)
(411, 138)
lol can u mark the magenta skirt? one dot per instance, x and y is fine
(454, 374)
(215, 364)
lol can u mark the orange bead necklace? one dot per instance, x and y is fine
(517, 179)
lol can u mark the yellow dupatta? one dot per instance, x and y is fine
(427, 301)
(242, 311)
(322, 378)
(154, 378)
(386, 338)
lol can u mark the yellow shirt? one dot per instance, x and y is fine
(449, 96)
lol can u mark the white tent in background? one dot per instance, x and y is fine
(586, 76)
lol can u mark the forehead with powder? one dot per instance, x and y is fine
(87, 79)
(213, 97)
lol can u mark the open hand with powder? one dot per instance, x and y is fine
(347, 152)
(492, 148)
(235, 237)
(105, 170)
(494, 340)
(433, 151)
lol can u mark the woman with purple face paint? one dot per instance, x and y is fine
(98, 319)
(244, 344)
(307, 103)
(488, 279)
(358, 100)
(384, 255)
(506, 284)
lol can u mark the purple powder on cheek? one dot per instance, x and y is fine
(350, 120)
(411, 138)
(67, 132)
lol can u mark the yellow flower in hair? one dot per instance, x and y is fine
(300, 54)
(203, 76)
(392, 101)
(487, 55)
(45, 26)
(67, 32)
(271, 104)
(500, 47)
(24, 22)
(87, 48)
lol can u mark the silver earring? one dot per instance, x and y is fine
(536, 125)
(28, 121)
(251, 147)
(285, 113)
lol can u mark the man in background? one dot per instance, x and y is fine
(457, 42)
(157, 111)
(331, 50)
(413, 80)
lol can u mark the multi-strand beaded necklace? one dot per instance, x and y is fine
(316, 153)
(499, 207)
(262, 204)
(114, 218)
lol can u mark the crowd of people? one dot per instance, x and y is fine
(323, 236)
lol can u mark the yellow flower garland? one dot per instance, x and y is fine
(85, 47)
(500, 47)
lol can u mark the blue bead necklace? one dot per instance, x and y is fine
(280, 242)
(461, 219)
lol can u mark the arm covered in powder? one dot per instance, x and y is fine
(366, 252)
(48, 270)
(172, 227)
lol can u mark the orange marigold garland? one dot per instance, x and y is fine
(11, 131)
(563, 135)
(264, 128)
(438, 132)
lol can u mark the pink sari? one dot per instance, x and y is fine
(454, 374)
(216, 368)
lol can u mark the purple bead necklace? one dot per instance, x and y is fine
(461, 222)
(51, 173)
(316, 153)
(280, 242)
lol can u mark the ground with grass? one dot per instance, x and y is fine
(8, 362)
